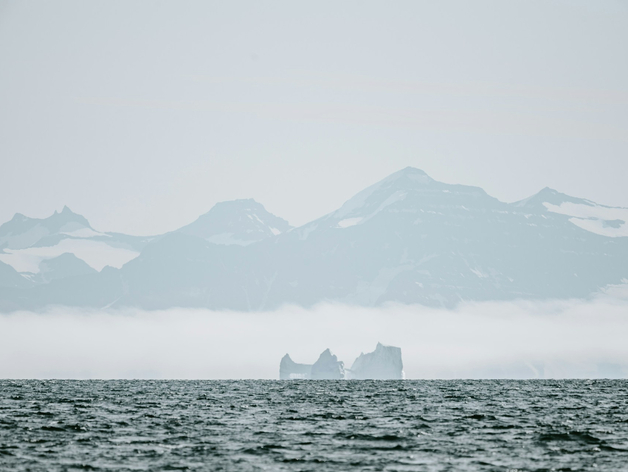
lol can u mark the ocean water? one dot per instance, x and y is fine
(540, 425)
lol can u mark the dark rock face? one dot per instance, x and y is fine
(328, 367)
(384, 363)
(288, 369)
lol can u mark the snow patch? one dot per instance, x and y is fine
(305, 231)
(258, 220)
(394, 198)
(84, 233)
(602, 220)
(588, 211)
(601, 227)
(479, 273)
(357, 201)
(349, 222)
(97, 254)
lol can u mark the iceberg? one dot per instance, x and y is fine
(328, 367)
(384, 364)
(288, 369)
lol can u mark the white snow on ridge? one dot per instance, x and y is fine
(601, 227)
(96, 254)
(358, 201)
(394, 198)
(305, 231)
(605, 221)
(84, 233)
(349, 222)
(258, 220)
(355, 206)
(479, 273)
(588, 211)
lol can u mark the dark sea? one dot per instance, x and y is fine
(538, 425)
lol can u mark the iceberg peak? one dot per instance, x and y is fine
(383, 363)
(328, 367)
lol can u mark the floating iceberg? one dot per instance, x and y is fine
(288, 369)
(384, 363)
(328, 367)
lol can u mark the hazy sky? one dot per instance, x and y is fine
(143, 115)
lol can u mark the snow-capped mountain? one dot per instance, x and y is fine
(406, 239)
(588, 215)
(412, 239)
(27, 243)
(240, 222)
(23, 232)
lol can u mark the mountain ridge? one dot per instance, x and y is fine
(405, 239)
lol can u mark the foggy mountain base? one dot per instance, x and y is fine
(558, 339)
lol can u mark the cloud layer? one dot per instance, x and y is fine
(567, 339)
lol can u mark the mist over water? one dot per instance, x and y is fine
(557, 339)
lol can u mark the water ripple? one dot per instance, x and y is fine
(314, 425)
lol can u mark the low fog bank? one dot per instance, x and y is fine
(567, 339)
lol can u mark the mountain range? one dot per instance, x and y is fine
(406, 239)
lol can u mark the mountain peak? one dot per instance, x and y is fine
(411, 173)
(412, 170)
(66, 216)
(549, 195)
(242, 203)
(548, 191)
(385, 192)
(239, 222)
(409, 177)
(65, 211)
(22, 232)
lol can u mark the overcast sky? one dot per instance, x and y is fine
(143, 115)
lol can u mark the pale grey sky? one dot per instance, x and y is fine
(143, 115)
